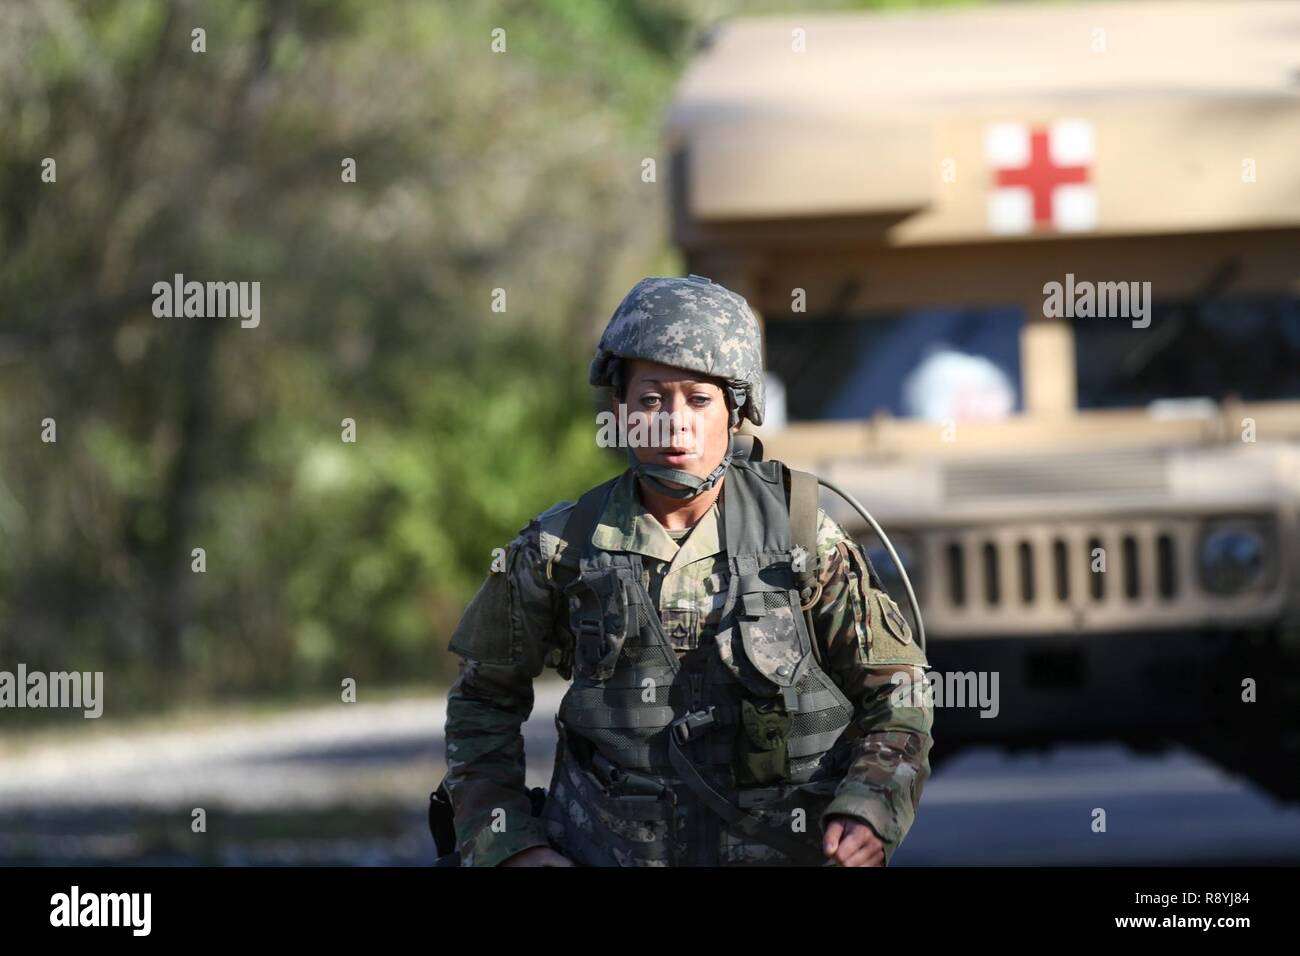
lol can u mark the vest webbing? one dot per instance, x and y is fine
(767, 509)
(801, 498)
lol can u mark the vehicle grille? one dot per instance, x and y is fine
(1011, 579)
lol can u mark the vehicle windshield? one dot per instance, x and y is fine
(1212, 348)
(932, 364)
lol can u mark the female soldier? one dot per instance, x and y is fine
(733, 658)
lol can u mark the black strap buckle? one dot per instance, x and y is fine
(592, 645)
(625, 782)
(685, 728)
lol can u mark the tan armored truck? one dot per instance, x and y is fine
(1030, 281)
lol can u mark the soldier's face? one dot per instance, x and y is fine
(691, 410)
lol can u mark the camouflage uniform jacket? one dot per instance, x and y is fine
(509, 634)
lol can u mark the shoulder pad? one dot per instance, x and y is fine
(890, 634)
(550, 524)
(829, 533)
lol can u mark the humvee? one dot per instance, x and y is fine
(1030, 286)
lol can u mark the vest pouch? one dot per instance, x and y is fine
(598, 620)
(593, 826)
(795, 808)
(763, 751)
(772, 634)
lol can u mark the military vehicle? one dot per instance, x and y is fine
(1030, 283)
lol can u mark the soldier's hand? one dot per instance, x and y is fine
(850, 842)
(537, 856)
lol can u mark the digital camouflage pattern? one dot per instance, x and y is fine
(508, 635)
(589, 811)
(692, 324)
(772, 652)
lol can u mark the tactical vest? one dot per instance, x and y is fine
(723, 757)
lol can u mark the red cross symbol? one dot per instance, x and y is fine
(1042, 175)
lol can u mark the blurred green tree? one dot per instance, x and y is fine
(475, 171)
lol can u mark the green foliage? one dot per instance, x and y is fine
(475, 171)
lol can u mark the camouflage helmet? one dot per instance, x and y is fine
(692, 324)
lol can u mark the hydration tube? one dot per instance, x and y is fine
(893, 555)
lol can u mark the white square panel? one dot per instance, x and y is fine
(1074, 207)
(1011, 210)
(1070, 143)
(1006, 145)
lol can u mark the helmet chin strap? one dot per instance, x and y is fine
(656, 475)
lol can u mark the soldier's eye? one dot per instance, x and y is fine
(700, 400)
(649, 400)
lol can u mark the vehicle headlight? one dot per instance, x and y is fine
(1233, 558)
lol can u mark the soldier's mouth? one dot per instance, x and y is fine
(675, 456)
